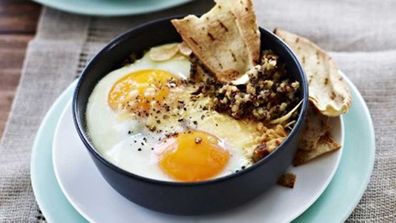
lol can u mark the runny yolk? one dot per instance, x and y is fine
(194, 156)
(137, 91)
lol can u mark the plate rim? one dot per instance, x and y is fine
(366, 182)
(66, 6)
(50, 120)
(61, 186)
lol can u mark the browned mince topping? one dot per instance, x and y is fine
(269, 94)
(260, 152)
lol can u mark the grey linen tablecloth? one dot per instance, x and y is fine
(361, 36)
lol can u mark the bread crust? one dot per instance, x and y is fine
(328, 90)
(226, 39)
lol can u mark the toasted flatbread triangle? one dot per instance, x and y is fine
(326, 145)
(315, 137)
(327, 89)
(315, 126)
(247, 24)
(223, 39)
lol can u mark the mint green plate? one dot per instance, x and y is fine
(336, 203)
(52, 202)
(110, 7)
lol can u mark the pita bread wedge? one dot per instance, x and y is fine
(315, 137)
(325, 145)
(327, 89)
(315, 126)
(247, 24)
(226, 39)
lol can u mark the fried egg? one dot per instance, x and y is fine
(142, 118)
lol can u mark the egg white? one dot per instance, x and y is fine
(105, 127)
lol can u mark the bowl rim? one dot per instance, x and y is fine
(126, 35)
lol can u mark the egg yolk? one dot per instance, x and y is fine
(194, 156)
(138, 91)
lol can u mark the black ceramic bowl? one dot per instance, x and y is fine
(174, 197)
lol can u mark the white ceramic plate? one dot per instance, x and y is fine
(94, 199)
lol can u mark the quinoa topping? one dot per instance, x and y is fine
(268, 94)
